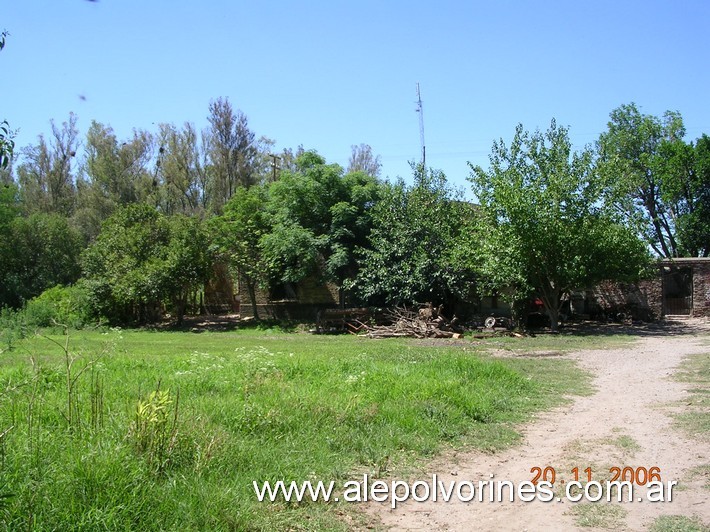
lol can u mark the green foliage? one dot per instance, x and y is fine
(154, 431)
(684, 170)
(47, 175)
(411, 254)
(115, 174)
(238, 233)
(658, 181)
(142, 260)
(545, 225)
(291, 252)
(232, 153)
(318, 217)
(7, 144)
(39, 252)
(60, 305)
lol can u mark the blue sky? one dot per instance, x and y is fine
(330, 74)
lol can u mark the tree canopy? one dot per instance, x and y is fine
(658, 181)
(546, 226)
(142, 259)
(410, 252)
(151, 211)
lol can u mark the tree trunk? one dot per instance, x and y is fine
(551, 299)
(251, 287)
(554, 312)
(520, 308)
(180, 306)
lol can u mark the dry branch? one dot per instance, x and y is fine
(427, 322)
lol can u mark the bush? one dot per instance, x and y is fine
(65, 305)
(12, 328)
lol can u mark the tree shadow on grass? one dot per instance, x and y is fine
(226, 323)
(665, 327)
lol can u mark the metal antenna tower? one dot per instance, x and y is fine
(420, 110)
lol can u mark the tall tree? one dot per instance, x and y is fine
(409, 255)
(39, 252)
(232, 152)
(363, 160)
(318, 216)
(238, 233)
(143, 260)
(546, 226)
(182, 172)
(629, 154)
(114, 174)
(46, 178)
(684, 171)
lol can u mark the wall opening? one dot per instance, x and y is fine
(677, 290)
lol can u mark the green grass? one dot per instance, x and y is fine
(695, 417)
(598, 515)
(701, 472)
(233, 407)
(626, 443)
(678, 523)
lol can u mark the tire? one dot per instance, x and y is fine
(490, 322)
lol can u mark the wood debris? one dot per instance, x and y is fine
(427, 322)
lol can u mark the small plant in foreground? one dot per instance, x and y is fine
(154, 430)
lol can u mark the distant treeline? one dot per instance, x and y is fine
(131, 227)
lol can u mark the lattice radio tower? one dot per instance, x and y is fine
(420, 110)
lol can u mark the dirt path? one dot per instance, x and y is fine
(625, 423)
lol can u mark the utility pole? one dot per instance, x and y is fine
(420, 110)
(273, 165)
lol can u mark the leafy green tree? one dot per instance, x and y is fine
(318, 217)
(186, 263)
(9, 210)
(39, 252)
(232, 152)
(142, 260)
(238, 233)
(409, 256)
(684, 172)
(545, 225)
(7, 144)
(182, 170)
(114, 174)
(631, 154)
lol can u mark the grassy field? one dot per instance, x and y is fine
(167, 430)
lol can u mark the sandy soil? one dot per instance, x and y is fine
(626, 422)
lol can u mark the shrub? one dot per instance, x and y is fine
(65, 305)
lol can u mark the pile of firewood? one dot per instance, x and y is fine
(427, 322)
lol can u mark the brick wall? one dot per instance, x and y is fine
(311, 295)
(644, 300)
(701, 289)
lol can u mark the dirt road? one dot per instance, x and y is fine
(626, 422)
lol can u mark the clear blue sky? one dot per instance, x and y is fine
(330, 74)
